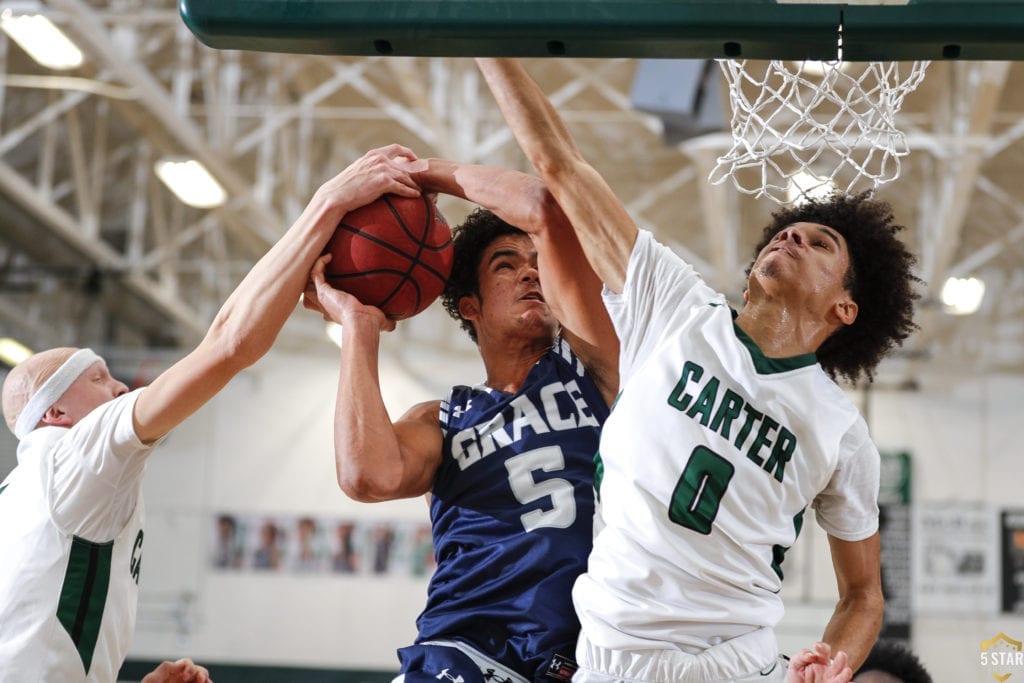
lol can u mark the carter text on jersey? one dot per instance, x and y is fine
(719, 412)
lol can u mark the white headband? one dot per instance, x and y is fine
(52, 389)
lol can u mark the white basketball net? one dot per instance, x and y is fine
(814, 125)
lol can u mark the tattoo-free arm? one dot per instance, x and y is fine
(605, 229)
(249, 321)
(857, 618)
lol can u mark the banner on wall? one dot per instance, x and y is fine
(1012, 550)
(306, 544)
(894, 530)
(956, 559)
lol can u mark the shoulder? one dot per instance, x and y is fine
(426, 413)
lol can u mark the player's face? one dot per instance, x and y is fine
(93, 388)
(808, 259)
(510, 291)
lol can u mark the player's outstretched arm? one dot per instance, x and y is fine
(376, 460)
(602, 223)
(254, 313)
(571, 287)
(817, 666)
(857, 618)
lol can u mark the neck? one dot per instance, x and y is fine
(781, 331)
(507, 363)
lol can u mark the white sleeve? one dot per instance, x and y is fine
(848, 506)
(660, 290)
(96, 472)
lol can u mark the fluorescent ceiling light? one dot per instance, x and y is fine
(41, 39)
(12, 351)
(962, 296)
(805, 186)
(191, 182)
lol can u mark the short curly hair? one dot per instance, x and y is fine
(892, 657)
(471, 239)
(880, 279)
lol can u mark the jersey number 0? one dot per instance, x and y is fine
(700, 488)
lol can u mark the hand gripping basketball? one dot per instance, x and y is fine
(394, 253)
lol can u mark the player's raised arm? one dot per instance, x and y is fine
(603, 225)
(571, 287)
(376, 459)
(249, 321)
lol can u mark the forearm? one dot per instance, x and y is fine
(367, 452)
(602, 224)
(854, 625)
(517, 198)
(251, 318)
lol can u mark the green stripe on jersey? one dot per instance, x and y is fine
(770, 366)
(84, 595)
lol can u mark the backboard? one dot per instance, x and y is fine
(748, 29)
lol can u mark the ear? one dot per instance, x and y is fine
(469, 307)
(746, 296)
(845, 311)
(55, 417)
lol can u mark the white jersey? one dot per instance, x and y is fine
(710, 457)
(71, 536)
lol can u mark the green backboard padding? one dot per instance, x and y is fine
(521, 28)
(935, 29)
(756, 29)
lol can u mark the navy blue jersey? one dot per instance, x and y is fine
(512, 511)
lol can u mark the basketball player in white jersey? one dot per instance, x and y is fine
(727, 428)
(71, 513)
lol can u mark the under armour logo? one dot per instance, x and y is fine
(454, 679)
(491, 675)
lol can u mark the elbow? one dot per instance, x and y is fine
(361, 487)
(868, 602)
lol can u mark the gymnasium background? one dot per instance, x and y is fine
(96, 251)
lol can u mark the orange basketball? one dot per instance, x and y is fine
(394, 253)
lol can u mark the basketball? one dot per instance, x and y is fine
(394, 253)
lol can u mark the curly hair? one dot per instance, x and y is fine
(880, 279)
(471, 239)
(891, 657)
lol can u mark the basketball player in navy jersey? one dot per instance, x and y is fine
(508, 463)
(728, 426)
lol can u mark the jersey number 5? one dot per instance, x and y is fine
(526, 489)
(699, 491)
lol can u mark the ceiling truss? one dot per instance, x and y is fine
(95, 251)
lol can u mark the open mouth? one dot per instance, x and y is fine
(532, 296)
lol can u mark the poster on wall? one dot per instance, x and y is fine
(1012, 550)
(306, 544)
(894, 530)
(956, 559)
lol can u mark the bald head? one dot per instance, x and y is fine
(25, 379)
